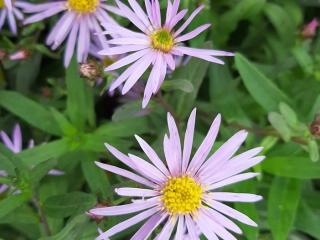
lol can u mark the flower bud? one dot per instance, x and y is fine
(315, 126)
(90, 70)
(309, 30)
(21, 54)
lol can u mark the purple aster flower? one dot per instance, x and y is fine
(15, 145)
(78, 24)
(183, 193)
(157, 45)
(11, 13)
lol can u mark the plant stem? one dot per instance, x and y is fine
(42, 216)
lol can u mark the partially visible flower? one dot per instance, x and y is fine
(156, 45)
(15, 145)
(309, 30)
(10, 12)
(183, 193)
(79, 24)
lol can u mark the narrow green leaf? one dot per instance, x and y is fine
(44, 152)
(292, 166)
(96, 179)
(313, 150)
(65, 205)
(65, 126)
(80, 98)
(283, 202)
(288, 114)
(30, 111)
(308, 220)
(262, 89)
(178, 84)
(72, 230)
(12, 202)
(278, 122)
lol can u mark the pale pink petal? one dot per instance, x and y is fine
(120, 156)
(127, 60)
(136, 192)
(6, 140)
(139, 12)
(127, 223)
(126, 208)
(64, 30)
(145, 231)
(223, 221)
(188, 21)
(126, 174)
(217, 228)
(12, 22)
(194, 53)
(152, 155)
(168, 14)
(175, 153)
(191, 227)
(223, 154)
(148, 169)
(45, 14)
(129, 40)
(232, 180)
(205, 227)
(234, 197)
(176, 19)
(17, 138)
(193, 33)
(180, 229)
(205, 147)
(226, 210)
(131, 16)
(170, 61)
(166, 231)
(135, 76)
(188, 140)
(71, 43)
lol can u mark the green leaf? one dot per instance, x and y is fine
(72, 230)
(262, 89)
(313, 150)
(288, 114)
(127, 111)
(30, 111)
(194, 72)
(65, 205)
(178, 84)
(80, 107)
(279, 123)
(5, 163)
(96, 179)
(12, 202)
(65, 126)
(36, 155)
(292, 166)
(307, 220)
(304, 59)
(42, 170)
(282, 22)
(283, 202)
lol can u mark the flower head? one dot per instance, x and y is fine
(309, 30)
(156, 45)
(15, 145)
(183, 193)
(79, 24)
(10, 12)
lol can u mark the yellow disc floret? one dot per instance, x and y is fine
(83, 6)
(181, 195)
(162, 40)
(2, 5)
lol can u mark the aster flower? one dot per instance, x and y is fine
(15, 145)
(10, 12)
(157, 45)
(78, 24)
(183, 194)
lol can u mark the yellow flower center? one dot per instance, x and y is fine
(162, 40)
(181, 195)
(83, 6)
(2, 5)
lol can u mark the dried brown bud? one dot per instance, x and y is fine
(22, 54)
(90, 70)
(315, 126)
(46, 92)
